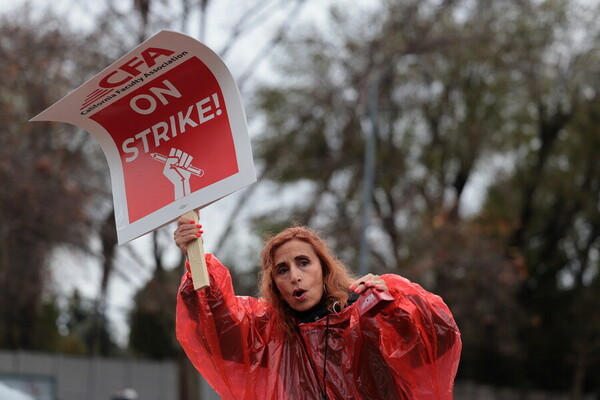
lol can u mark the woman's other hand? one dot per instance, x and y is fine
(368, 281)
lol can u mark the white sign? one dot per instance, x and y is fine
(171, 122)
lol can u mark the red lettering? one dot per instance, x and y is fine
(152, 53)
(130, 66)
(106, 83)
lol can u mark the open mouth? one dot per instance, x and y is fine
(298, 293)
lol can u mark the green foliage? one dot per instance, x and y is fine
(153, 336)
(87, 331)
(152, 321)
(46, 334)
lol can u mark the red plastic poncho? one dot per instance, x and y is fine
(407, 348)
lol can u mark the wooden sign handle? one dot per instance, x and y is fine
(195, 253)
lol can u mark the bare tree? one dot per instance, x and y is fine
(41, 163)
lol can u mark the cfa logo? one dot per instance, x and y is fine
(129, 69)
(123, 74)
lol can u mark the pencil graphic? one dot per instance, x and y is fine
(163, 159)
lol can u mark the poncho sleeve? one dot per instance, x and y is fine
(221, 333)
(419, 340)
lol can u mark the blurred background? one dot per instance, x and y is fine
(454, 142)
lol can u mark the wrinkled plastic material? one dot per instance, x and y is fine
(408, 348)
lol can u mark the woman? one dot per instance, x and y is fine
(316, 332)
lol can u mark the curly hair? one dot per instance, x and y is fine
(336, 277)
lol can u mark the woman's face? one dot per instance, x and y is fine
(298, 274)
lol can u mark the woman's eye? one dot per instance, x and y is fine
(304, 263)
(282, 271)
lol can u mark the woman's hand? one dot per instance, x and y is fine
(187, 230)
(368, 281)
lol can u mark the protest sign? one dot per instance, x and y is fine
(171, 122)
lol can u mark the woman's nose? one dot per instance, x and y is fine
(295, 275)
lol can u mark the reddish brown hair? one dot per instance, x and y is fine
(336, 276)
